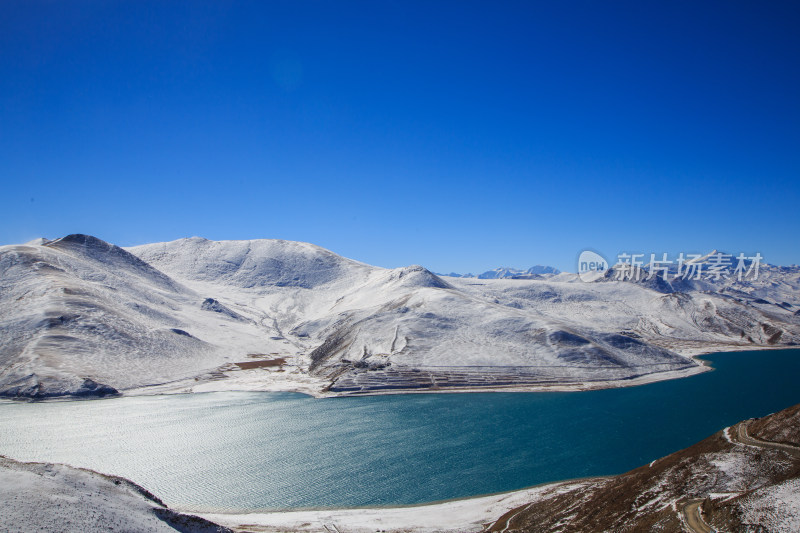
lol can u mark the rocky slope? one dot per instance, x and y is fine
(743, 478)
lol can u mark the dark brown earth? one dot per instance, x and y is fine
(775, 428)
(248, 365)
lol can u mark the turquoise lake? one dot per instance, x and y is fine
(238, 451)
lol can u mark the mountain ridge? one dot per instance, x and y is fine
(82, 316)
(508, 273)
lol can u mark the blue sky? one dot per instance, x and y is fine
(457, 135)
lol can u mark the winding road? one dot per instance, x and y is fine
(738, 434)
(691, 513)
(741, 436)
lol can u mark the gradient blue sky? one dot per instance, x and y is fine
(458, 135)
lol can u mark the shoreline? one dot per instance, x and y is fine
(459, 515)
(310, 386)
(252, 381)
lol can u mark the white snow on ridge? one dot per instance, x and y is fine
(251, 264)
(78, 314)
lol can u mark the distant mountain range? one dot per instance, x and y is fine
(508, 273)
(82, 317)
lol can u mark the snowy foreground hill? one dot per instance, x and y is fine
(52, 497)
(79, 316)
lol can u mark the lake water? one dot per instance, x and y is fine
(245, 451)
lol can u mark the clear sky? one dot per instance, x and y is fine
(458, 135)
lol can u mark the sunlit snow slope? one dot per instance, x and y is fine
(82, 317)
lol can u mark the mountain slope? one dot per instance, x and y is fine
(251, 264)
(687, 322)
(365, 329)
(369, 329)
(54, 498)
(738, 479)
(79, 316)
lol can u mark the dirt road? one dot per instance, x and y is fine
(691, 512)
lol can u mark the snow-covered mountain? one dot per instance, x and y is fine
(533, 272)
(82, 317)
(513, 273)
(79, 316)
(455, 275)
